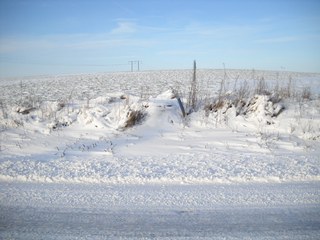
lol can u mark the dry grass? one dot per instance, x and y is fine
(134, 117)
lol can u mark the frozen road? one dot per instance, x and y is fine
(79, 211)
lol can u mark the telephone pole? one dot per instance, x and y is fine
(131, 65)
(135, 62)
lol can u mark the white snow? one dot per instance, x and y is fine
(79, 135)
(127, 129)
(95, 211)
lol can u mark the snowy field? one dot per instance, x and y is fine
(115, 148)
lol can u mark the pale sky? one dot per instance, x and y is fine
(86, 36)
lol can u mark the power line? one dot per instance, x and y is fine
(135, 65)
(62, 64)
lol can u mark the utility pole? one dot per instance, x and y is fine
(131, 65)
(135, 62)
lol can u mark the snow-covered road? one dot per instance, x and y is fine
(93, 211)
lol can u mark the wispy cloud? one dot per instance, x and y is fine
(130, 25)
(124, 27)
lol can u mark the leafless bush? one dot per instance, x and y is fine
(219, 102)
(288, 90)
(222, 91)
(306, 93)
(214, 107)
(262, 87)
(134, 117)
(242, 93)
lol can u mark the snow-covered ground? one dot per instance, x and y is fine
(124, 133)
(99, 211)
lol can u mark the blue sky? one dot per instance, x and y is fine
(83, 36)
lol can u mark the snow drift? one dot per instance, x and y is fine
(121, 137)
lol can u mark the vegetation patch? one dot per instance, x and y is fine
(134, 117)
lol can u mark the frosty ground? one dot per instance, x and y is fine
(111, 155)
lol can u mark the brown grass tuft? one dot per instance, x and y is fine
(134, 117)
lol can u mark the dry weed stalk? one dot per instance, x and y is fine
(134, 117)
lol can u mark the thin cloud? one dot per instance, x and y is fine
(124, 28)
(129, 25)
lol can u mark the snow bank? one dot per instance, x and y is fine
(121, 137)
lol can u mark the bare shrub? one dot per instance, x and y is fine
(222, 91)
(287, 91)
(242, 93)
(306, 93)
(276, 96)
(262, 87)
(219, 103)
(134, 117)
(214, 107)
